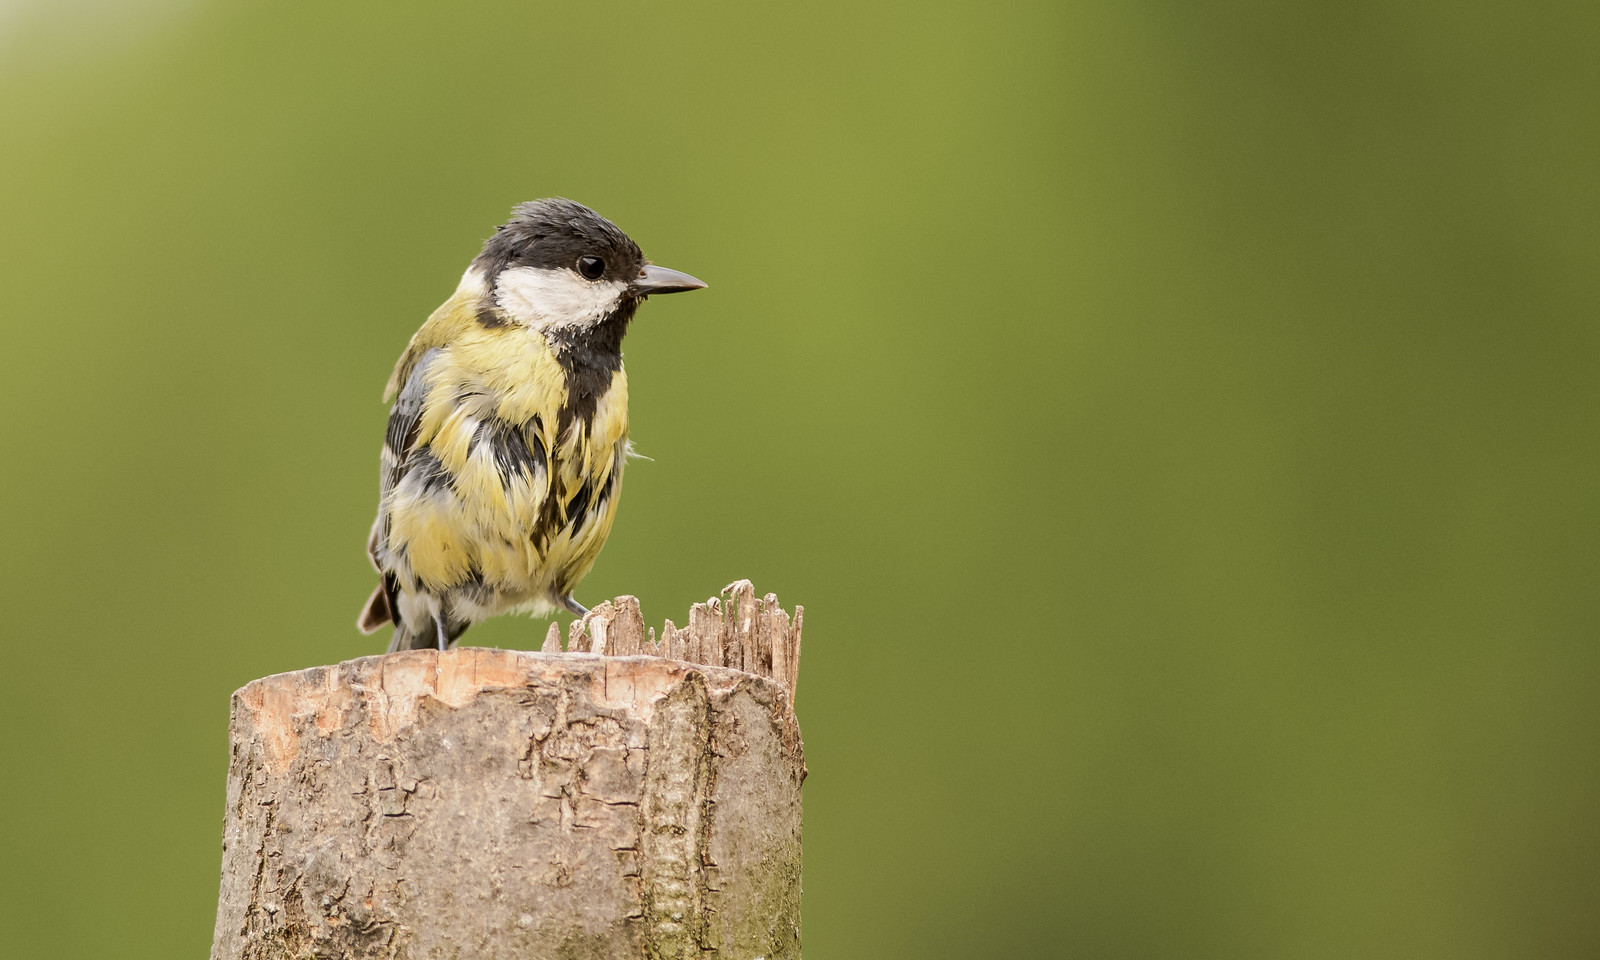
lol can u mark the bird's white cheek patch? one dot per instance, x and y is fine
(555, 298)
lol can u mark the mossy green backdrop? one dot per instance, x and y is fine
(1178, 420)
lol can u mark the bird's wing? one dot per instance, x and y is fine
(399, 439)
(407, 390)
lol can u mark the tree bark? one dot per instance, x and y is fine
(626, 798)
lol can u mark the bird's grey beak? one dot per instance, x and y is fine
(654, 279)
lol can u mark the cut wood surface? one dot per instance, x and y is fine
(637, 795)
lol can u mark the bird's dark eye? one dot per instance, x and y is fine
(591, 267)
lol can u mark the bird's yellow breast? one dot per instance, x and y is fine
(508, 527)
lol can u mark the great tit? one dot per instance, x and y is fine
(503, 457)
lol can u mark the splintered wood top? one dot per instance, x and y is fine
(736, 630)
(730, 641)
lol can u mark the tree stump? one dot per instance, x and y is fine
(628, 797)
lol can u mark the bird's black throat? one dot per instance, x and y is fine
(590, 356)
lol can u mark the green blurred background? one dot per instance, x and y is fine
(1178, 420)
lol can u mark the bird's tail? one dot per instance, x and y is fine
(377, 611)
(407, 639)
(428, 635)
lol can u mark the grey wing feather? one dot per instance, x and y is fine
(404, 418)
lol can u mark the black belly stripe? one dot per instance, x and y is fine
(590, 358)
(603, 493)
(577, 507)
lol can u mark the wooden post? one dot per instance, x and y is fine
(629, 797)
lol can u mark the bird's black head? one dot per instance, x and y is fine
(559, 234)
(556, 265)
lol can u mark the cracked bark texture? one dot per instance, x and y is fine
(604, 801)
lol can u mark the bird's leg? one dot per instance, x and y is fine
(438, 625)
(574, 605)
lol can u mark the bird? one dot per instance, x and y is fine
(503, 455)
